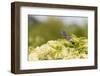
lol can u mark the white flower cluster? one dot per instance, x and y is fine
(61, 49)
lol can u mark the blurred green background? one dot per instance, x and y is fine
(44, 28)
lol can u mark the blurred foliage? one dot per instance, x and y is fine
(41, 32)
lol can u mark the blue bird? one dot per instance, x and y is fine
(65, 35)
